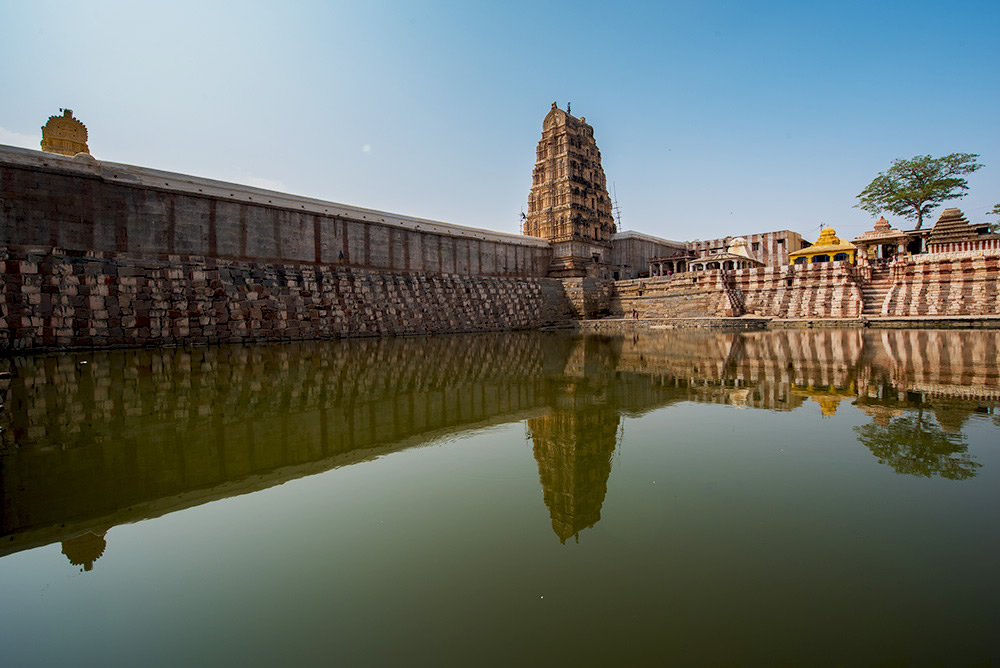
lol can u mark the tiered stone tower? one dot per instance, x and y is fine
(569, 203)
(953, 233)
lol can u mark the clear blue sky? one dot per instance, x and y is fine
(713, 118)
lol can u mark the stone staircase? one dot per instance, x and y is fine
(873, 292)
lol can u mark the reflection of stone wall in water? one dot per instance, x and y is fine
(134, 434)
(153, 430)
(777, 369)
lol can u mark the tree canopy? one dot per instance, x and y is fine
(995, 211)
(913, 188)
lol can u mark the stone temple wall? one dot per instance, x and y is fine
(685, 295)
(822, 290)
(79, 204)
(100, 254)
(65, 299)
(826, 290)
(957, 284)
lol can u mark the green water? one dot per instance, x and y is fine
(800, 497)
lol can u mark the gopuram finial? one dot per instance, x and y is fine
(64, 135)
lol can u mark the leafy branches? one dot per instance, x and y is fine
(913, 188)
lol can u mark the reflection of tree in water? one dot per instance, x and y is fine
(913, 446)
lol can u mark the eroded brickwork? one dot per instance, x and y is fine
(58, 299)
(952, 284)
(589, 297)
(822, 290)
(689, 295)
(825, 290)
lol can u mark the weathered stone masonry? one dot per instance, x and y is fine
(58, 299)
(826, 290)
(822, 290)
(79, 204)
(99, 254)
(962, 283)
(94, 254)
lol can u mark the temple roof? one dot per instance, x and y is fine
(720, 257)
(952, 227)
(882, 231)
(736, 250)
(828, 242)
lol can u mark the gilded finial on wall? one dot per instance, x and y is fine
(64, 135)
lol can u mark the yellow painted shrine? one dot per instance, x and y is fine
(828, 248)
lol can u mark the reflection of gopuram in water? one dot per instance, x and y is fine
(574, 442)
(92, 440)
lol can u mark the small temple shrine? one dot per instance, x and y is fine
(64, 135)
(882, 243)
(735, 256)
(828, 248)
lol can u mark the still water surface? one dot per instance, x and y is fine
(814, 497)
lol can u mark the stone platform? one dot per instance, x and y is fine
(761, 323)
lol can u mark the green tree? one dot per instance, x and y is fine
(913, 188)
(995, 211)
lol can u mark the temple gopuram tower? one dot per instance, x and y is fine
(569, 203)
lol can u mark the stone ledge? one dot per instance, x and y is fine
(755, 322)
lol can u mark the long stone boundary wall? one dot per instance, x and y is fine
(60, 299)
(102, 254)
(96, 254)
(826, 290)
(80, 204)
